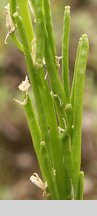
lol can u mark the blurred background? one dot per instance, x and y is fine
(17, 157)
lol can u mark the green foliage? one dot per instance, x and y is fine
(56, 130)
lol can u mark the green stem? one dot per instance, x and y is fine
(25, 14)
(40, 37)
(57, 88)
(65, 52)
(33, 124)
(55, 143)
(33, 75)
(81, 61)
(60, 113)
(12, 8)
(59, 154)
(14, 37)
(17, 42)
(67, 155)
(74, 78)
(34, 130)
(49, 26)
(54, 77)
(50, 175)
(81, 186)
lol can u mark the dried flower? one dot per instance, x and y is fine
(9, 22)
(35, 179)
(24, 86)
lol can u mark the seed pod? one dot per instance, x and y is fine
(78, 90)
(40, 31)
(65, 52)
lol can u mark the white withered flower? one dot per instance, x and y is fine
(24, 86)
(9, 22)
(36, 180)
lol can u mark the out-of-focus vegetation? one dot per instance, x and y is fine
(17, 157)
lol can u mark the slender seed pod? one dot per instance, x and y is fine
(73, 89)
(74, 78)
(56, 86)
(50, 53)
(54, 77)
(49, 26)
(81, 61)
(50, 175)
(25, 14)
(40, 35)
(65, 52)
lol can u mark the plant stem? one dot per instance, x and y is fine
(33, 75)
(34, 130)
(12, 8)
(65, 52)
(81, 61)
(56, 86)
(67, 155)
(49, 26)
(56, 130)
(33, 124)
(40, 37)
(81, 186)
(17, 42)
(51, 179)
(55, 143)
(14, 37)
(25, 14)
